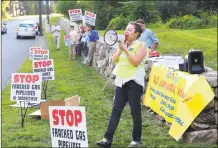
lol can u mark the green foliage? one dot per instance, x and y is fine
(192, 22)
(118, 23)
(105, 11)
(5, 6)
(64, 6)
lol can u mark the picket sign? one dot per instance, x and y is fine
(75, 14)
(68, 126)
(68, 40)
(45, 67)
(90, 18)
(25, 89)
(36, 53)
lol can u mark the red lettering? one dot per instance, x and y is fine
(22, 78)
(62, 114)
(78, 117)
(25, 78)
(35, 78)
(69, 117)
(42, 64)
(16, 78)
(55, 117)
(28, 78)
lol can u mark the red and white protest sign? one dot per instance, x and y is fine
(45, 67)
(75, 14)
(26, 87)
(68, 40)
(39, 54)
(31, 52)
(90, 18)
(68, 126)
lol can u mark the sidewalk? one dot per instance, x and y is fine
(41, 41)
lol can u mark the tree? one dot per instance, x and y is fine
(105, 11)
(5, 8)
(167, 9)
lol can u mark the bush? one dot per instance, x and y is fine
(204, 20)
(118, 23)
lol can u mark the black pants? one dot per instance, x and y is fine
(130, 92)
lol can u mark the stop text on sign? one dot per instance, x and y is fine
(66, 117)
(42, 64)
(40, 51)
(22, 78)
(90, 14)
(75, 11)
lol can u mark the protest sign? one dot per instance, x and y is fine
(39, 54)
(177, 96)
(45, 67)
(75, 14)
(68, 126)
(31, 52)
(26, 87)
(90, 18)
(68, 40)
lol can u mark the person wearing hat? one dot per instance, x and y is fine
(56, 29)
(74, 36)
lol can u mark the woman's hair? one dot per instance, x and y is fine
(92, 27)
(137, 28)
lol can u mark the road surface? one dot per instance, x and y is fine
(14, 51)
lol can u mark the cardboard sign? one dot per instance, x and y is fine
(75, 14)
(26, 87)
(39, 54)
(31, 52)
(45, 67)
(68, 40)
(177, 96)
(90, 18)
(68, 126)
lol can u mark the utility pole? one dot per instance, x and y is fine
(47, 10)
(40, 18)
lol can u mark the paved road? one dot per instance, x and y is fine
(14, 50)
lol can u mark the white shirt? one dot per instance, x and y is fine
(56, 30)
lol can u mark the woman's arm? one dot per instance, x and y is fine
(140, 54)
(116, 55)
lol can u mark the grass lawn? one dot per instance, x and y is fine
(74, 78)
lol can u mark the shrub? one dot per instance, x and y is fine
(204, 20)
(118, 23)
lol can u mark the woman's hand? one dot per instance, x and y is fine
(122, 46)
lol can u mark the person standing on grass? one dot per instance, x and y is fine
(148, 36)
(56, 29)
(129, 71)
(72, 49)
(93, 37)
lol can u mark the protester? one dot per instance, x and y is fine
(84, 42)
(129, 81)
(93, 37)
(148, 36)
(56, 29)
(75, 37)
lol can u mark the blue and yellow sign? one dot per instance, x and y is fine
(177, 96)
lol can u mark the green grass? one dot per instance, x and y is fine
(74, 78)
(180, 41)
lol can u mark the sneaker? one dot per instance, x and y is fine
(104, 143)
(135, 143)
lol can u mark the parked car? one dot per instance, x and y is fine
(27, 29)
(4, 28)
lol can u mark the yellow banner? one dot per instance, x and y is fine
(177, 96)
